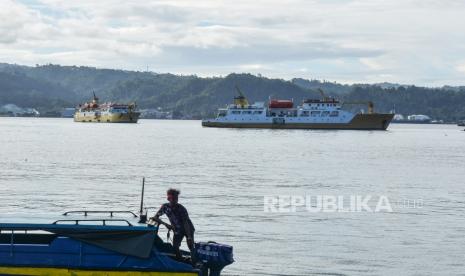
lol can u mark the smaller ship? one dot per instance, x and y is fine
(103, 246)
(325, 113)
(94, 112)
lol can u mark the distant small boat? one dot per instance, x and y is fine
(94, 112)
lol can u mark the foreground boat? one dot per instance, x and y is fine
(94, 112)
(326, 113)
(61, 248)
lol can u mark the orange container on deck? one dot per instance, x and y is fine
(281, 104)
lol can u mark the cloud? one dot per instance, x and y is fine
(409, 41)
(371, 64)
(460, 68)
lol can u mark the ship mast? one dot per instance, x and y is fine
(95, 99)
(240, 100)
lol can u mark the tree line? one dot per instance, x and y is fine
(53, 87)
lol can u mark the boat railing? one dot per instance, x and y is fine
(103, 221)
(86, 212)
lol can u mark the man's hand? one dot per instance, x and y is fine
(169, 226)
(190, 243)
(151, 222)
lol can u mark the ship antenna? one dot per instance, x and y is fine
(95, 97)
(241, 100)
(142, 216)
(239, 91)
(322, 93)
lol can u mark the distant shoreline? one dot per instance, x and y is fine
(195, 119)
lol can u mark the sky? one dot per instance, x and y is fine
(419, 42)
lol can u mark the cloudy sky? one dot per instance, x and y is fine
(407, 41)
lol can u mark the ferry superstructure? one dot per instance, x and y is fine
(94, 112)
(326, 113)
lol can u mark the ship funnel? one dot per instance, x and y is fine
(95, 99)
(371, 108)
(323, 95)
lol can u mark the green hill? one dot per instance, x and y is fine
(52, 87)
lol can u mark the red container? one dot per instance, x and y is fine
(280, 104)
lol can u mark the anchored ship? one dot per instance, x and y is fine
(106, 112)
(324, 113)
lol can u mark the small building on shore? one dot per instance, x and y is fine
(12, 110)
(419, 118)
(414, 119)
(156, 114)
(68, 112)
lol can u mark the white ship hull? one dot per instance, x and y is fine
(357, 122)
(312, 114)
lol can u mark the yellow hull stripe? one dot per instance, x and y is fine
(35, 271)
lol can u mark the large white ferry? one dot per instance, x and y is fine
(325, 113)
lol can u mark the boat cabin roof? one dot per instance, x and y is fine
(117, 238)
(73, 227)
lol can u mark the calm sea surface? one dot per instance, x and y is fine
(48, 166)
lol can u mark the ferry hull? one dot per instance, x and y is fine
(359, 122)
(108, 118)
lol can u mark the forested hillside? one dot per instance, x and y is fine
(52, 87)
(441, 104)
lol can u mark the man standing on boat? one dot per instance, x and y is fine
(180, 222)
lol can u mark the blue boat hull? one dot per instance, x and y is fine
(68, 256)
(54, 249)
(40, 271)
